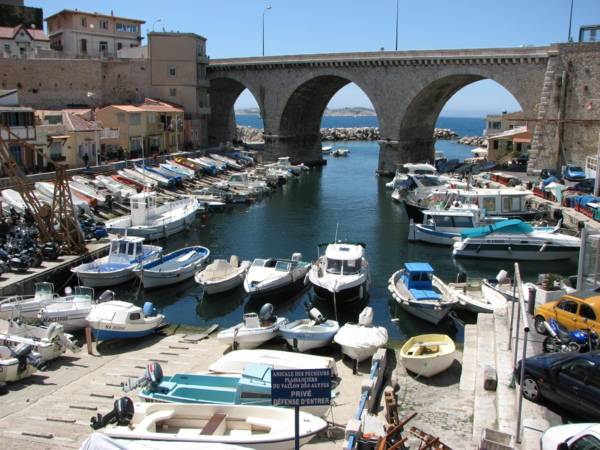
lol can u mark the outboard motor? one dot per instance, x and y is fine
(266, 313)
(121, 414)
(316, 315)
(149, 309)
(106, 296)
(297, 257)
(24, 354)
(151, 379)
(54, 330)
(461, 277)
(502, 276)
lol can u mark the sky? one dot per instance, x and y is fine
(234, 29)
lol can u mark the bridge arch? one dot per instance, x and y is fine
(223, 92)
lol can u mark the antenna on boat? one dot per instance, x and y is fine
(335, 301)
(336, 231)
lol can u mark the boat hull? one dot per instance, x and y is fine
(105, 279)
(351, 294)
(155, 232)
(424, 234)
(244, 339)
(103, 334)
(517, 254)
(428, 314)
(303, 339)
(282, 286)
(224, 285)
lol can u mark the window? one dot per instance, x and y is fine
(135, 316)
(84, 46)
(495, 146)
(7, 47)
(127, 28)
(351, 266)
(511, 204)
(489, 203)
(577, 368)
(587, 312)
(119, 45)
(587, 442)
(103, 46)
(103, 24)
(83, 22)
(334, 265)
(568, 305)
(172, 71)
(463, 222)
(173, 92)
(135, 119)
(594, 380)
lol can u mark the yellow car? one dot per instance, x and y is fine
(575, 311)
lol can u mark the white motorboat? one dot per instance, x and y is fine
(340, 152)
(72, 314)
(444, 226)
(139, 178)
(243, 182)
(307, 334)
(259, 427)
(326, 149)
(419, 292)
(13, 199)
(15, 364)
(256, 329)
(222, 276)
(88, 191)
(412, 169)
(236, 361)
(45, 192)
(49, 342)
(231, 163)
(184, 172)
(272, 276)
(428, 354)
(501, 286)
(154, 222)
(116, 319)
(516, 240)
(361, 341)
(114, 187)
(342, 273)
(173, 268)
(29, 307)
(125, 254)
(160, 179)
(100, 441)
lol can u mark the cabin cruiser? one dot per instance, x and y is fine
(116, 319)
(125, 254)
(516, 240)
(272, 276)
(342, 273)
(415, 189)
(150, 221)
(419, 292)
(412, 169)
(243, 182)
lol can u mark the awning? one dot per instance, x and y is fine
(58, 138)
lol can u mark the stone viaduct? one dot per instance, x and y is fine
(554, 85)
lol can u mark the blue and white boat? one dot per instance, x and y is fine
(173, 268)
(125, 254)
(176, 178)
(251, 387)
(162, 180)
(116, 319)
(421, 293)
(184, 172)
(307, 334)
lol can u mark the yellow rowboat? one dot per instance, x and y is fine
(428, 354)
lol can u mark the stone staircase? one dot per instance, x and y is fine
(486, 344)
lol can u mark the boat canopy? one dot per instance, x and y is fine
(418, 267)
(510, 226)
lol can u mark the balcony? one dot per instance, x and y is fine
(109, 133)
(25, 133)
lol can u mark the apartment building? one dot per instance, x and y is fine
(94, 35)
(17, 123)
(21, 42)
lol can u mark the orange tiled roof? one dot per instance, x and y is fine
(11, 32)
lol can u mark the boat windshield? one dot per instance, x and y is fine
(282, 266)
(123, 248)
(343, 267)
(429, 181)
(259, 262)
(424, 172)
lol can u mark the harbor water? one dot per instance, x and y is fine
(345, 199)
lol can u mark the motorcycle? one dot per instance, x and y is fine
(560, 339)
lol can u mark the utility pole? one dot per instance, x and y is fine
(263, 28)
(597, 181)
(397, 12)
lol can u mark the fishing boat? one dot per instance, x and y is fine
(428, 354)
(162, 180)
(231, 163)
(72, 314)
(46, 194)
(174, 178)
(16, 364)
(307, 334)
(222, 276)
(257, 427)
(236, 361)
(154, 222)
(172, 268)
(501, 286)
(360, 341)
(147, 182)
(197, 165)
(119, 190)
(340, 152)
(125, 254)
(129, 182)
(342, 273)
(116, 319)
(420, 293)
(49, 342)
(254, 330)
(184, 172)
(87, 191)
(516, 240)
(472, 297)
(274, 276)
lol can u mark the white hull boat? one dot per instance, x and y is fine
(46, 192)
(49, 342)
(184, 172)
(137, 177)
(123, 320)
(307, 334)
(428, 354)
(421, 293)
(115, 188)
(235, 362)
(116, 268)
(222, 276)
(361, 341)
(273, 276)
(100, 441)
(173, 268)
(11, 369)
(72, 314)
(154, 222)
(254, 330)
(258, 427)
(88, 192)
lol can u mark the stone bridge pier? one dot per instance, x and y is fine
(407, 90)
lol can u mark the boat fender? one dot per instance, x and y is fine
(234, 261)
(509, 248)
(149, 309)
(502, 276)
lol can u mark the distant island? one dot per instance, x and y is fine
(348, 112)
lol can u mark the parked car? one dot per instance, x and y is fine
(579, 310)
(573, 173)
(570, 380)
(575, 436)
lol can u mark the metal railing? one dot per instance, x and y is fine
(522, 322)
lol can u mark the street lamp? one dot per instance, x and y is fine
(263, 28)
(571, 21)
(154, 24)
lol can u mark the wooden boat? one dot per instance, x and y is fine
(258, 427)
(361, 341)
(307, 334)
(14, 364)
(100, 441)
(236, 361)
(476, 298)
(173, 268)
(123, 320)
(255, 330)
(428, 354)
(222, 276)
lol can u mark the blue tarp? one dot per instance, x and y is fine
(512, 226)
(583, 200)
(549, 180)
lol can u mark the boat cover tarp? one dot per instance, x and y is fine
(424, 294)
(510, 226)
(583, 200)
(359, 336)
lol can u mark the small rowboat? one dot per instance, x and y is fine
(173, 268)
(307, 334)
(222, 276)
(128, 182)
(428, 354)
